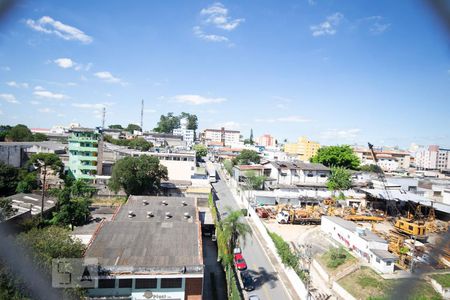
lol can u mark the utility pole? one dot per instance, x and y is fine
(142, 115)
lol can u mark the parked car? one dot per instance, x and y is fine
(253, 297)
(247, 281)
(239, 262)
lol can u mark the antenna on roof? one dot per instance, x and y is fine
(103, 117)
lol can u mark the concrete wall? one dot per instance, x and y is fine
(338, 289)
(179, 170)
(445, 292)
(12, 155)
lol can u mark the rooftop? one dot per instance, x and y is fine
(299, 165)
(161, 236)
(250, 167)
(24, 202)
(351, 226)
(384, 254)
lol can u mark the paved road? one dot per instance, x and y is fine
(267, 285)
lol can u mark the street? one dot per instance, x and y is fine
(267, 284)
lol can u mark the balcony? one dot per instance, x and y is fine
(87, 167)
(86, 158)
(83, 139)
(82, 149)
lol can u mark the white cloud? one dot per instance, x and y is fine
(288, 119)
(45, 110)
(197, 99)
(232, 125)
(217, 15)
(377, 25)
(343, 134)
(10, 98)
(64, 62)
(208, 37)
(48, 25)
(96, 106)
(108, 77)
(17, 84)
(379, 28)
(42, 93)
(34, 102)
(328, 27)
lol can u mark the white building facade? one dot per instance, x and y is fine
(187, 134)
(226, 137)
(433, 158)
(361, 242)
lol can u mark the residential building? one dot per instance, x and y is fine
(266, 140)
(17, 154)
(222, 136)
(164, 139)
(180, 165)
(388, 160)
(360, 241)
(83, 153)
(304, 149)
(151, 249)
(433, 158)
(274, 154)
(296, 173)
(187, 134)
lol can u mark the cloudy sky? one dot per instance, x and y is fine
(335, 71)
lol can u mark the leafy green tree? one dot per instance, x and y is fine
(251, 137)
(200, 151)
(4, 130)
(138, 175)
(246, 157)
(19, 133)
(233, 228)
(337, 156)
(133, 127)
(192, 120)
(254, 181)
(370, 168)
(73, 204)
(140, 144)
(339, 180)
(40, 137)
(45, 162)
(8, 179)
(6, 209)
(28, 182)
(168, 123)
(115, 126)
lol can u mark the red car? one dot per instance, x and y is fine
(239, 262)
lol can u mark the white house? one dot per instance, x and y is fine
(187, 134)
(360, 241)
(296, 173)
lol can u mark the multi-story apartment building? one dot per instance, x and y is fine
(151, 249)
(388, 160)
(433, 158)
(225, 137)
(84, 162)
(296, 173)
(304, 148)
(187, 134)
(266, 140)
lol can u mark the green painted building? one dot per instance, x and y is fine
(83, 153)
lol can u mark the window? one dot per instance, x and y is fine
(146, 283)
(171, 283)
(410, 227)
(378, 260)
(389, 263)
(125, 283)
(310, 175)
(106, 283)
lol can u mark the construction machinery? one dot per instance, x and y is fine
(308, 215)
(414, 225)
(363, 218)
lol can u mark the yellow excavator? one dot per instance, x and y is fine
(414, 225)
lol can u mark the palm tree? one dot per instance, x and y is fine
(232, 229)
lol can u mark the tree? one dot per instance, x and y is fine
(337, 156)
(45, 162)
(28, 182)
(192, 121)
(200, 151)
(133, 127)
(115, 126)
(251, 137)
(370, 168)
(140, 144)
(246, 157)
(253, 181)
(167, 124)
(19, 133)
(339, 180)
(4, 130)
(233, 228)
(8, 179)
(73, 204)
(138, 175)
(6, 209)
(40, 137)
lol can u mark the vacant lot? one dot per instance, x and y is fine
(366, 284)
(336, 259)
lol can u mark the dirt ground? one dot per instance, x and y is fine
(300, 234)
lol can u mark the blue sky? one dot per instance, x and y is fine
(335, 71)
